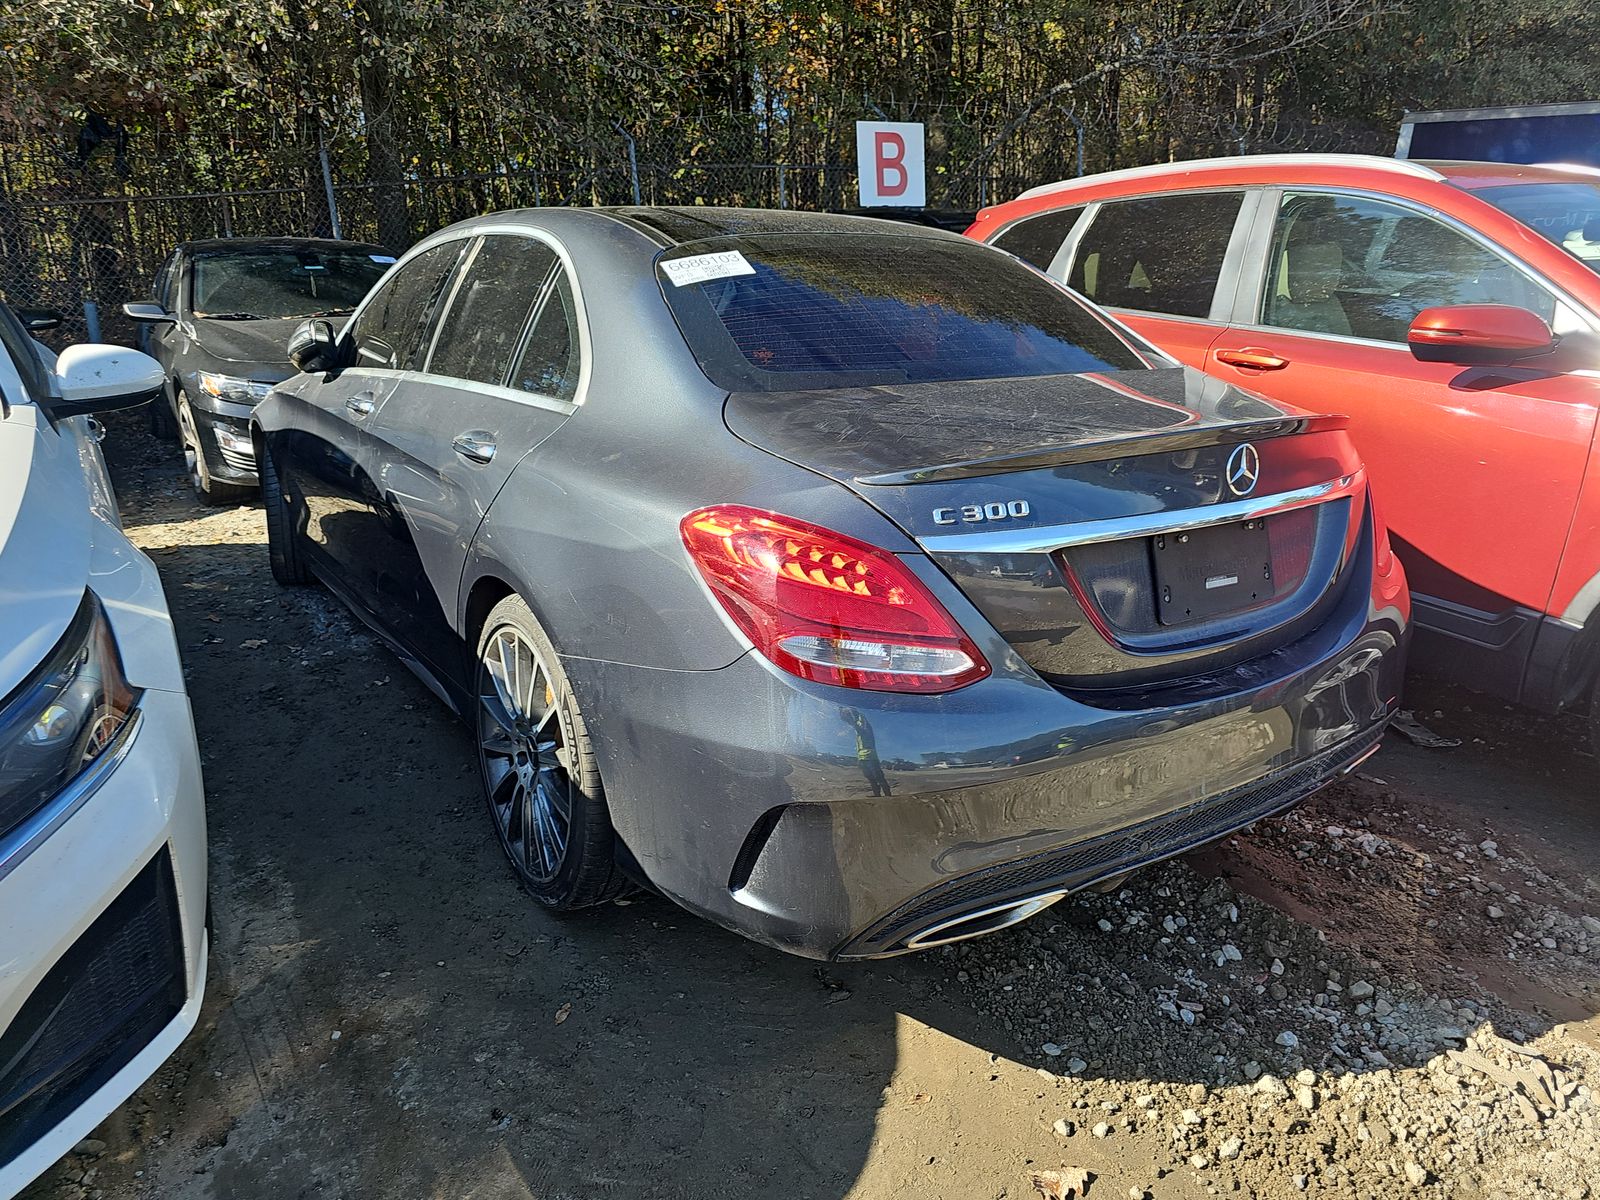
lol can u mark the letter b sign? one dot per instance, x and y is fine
(889, 156)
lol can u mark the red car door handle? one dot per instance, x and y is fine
(1252, 359)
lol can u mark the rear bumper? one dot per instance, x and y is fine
(750, 797)
(102, 945)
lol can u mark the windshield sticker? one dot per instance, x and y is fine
(381, 258)
(699, 268)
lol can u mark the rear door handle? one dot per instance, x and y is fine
(1252, 358)
(475, 447)
(361, 404)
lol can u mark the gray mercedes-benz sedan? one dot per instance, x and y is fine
(853, 584)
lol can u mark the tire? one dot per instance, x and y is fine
(162, 426)
(1594, 720)
(283, 544)
(529, 766)
(206, 489)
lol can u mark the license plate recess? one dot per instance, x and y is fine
(1204, 573)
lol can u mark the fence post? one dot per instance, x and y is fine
(783, 186)
(633, 160)
(327, 186)
(1078, 126)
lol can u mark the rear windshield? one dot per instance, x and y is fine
(1566, 213)
(781, 312)
(263, 284)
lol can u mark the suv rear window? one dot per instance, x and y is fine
(784, 312)
(1567, 213)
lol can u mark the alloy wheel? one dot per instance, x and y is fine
(523, 751)
(191, 447)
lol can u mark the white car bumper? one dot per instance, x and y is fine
(103, 918)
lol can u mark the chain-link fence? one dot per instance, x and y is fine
(85, 255)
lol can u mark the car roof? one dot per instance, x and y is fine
(1462, 174)
(254, 245)
(1474, 175)
(673, 226)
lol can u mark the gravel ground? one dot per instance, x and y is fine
(1390, 992)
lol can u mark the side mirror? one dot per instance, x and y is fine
(1486, 335)
(147, 312)
(313, 347)
(38, 320)
(92, 378)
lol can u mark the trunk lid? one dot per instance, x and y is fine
(1090, 518)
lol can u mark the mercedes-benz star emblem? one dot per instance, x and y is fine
(1244, 468)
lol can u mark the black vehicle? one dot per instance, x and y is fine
(854, 584)
(220, 318)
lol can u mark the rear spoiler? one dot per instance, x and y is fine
(1169, 441)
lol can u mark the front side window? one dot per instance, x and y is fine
(19, 348)
(391, 332)
(279, 284)
(785, 311)
(1357, 267)
(548, 364)
(163, 288)
(1036, 240)
(1567, 213)
(1158, 254)
(479, 335)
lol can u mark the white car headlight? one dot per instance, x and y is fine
(64, 716)
(231, 388)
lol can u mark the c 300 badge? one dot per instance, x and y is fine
(977, 514)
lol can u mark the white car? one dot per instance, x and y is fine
(102, 818)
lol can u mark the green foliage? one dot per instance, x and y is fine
(236, 94)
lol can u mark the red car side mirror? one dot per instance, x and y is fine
(1478, 335)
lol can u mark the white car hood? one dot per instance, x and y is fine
(44, 541)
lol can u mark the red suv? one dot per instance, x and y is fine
(1450, 309)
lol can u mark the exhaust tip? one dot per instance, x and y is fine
(985, 920)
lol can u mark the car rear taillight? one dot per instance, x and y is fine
(826, 607)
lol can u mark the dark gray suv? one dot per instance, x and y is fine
(221, 315)
(855, 585)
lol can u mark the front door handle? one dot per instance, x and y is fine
(475, 447)
(361, 404)
(1252, 358)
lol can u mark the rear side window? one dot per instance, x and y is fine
(391, 332)
(1159, 254)
(480, 334)
(548, 364)
(1036, 239)
(779, 312)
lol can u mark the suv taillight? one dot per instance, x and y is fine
(826, 607)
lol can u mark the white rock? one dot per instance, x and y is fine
(1190, 1117)
(1101, 1130)
(1495, 912)
(1416, 1174)
(1063, 1128)
(1277, 966)
(1199, 1162)
(1230, 1148)
(1075, 1065)
(1105, 925)
(1306, 1098)
(1361, 989)
(1287, 1040)
(1592, 924)
(1050, 1048)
